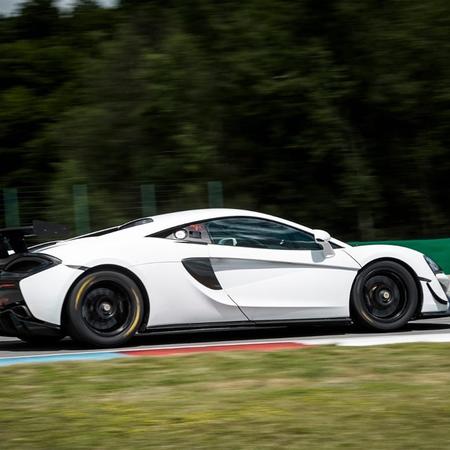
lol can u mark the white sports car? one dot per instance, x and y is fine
(206, 268)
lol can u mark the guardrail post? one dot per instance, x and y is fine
(148, 200)
(11, 204)
(81, 208)
(215, 194)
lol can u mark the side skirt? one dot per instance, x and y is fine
(245, 325)
(432, 315)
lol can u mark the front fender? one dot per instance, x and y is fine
(434, 294)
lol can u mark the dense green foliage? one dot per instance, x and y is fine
(333, 112)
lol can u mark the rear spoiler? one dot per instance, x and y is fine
(14, 238)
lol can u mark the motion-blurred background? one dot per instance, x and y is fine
(333, 113)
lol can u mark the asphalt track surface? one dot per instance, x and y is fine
(431, 330)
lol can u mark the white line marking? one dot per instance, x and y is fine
(346, 341)
(362, 341)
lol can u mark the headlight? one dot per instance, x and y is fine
(434, 266)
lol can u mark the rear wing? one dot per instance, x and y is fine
(14, 238)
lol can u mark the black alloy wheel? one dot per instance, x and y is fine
(384, 296)
(104, 309)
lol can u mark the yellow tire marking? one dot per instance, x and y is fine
(138, 313)
(81, 290)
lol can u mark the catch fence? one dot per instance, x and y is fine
(84, 208)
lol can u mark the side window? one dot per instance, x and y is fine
(195, 232)
(259, 233)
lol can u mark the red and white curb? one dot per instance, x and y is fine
(153, 351)
(252, 346)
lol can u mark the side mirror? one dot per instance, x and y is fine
(323, 239)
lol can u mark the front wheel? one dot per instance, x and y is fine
(384, 296)
(104, 309)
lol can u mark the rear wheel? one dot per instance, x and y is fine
(104, 309)
(384, 296)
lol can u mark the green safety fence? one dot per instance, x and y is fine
(14, 211)
(436, 249)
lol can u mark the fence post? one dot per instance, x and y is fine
(81, 208)
(148, 200)
(11, 203)
(215, 194)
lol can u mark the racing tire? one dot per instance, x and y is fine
(104, 309)
(384, 296)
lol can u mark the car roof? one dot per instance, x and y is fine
(166, 221)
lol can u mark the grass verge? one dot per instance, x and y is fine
(391, 397)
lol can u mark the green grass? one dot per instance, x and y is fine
(392, 397)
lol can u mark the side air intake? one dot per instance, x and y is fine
(202, 271)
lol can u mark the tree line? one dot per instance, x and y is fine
(332, 113)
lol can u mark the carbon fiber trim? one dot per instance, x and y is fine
(202, 271)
